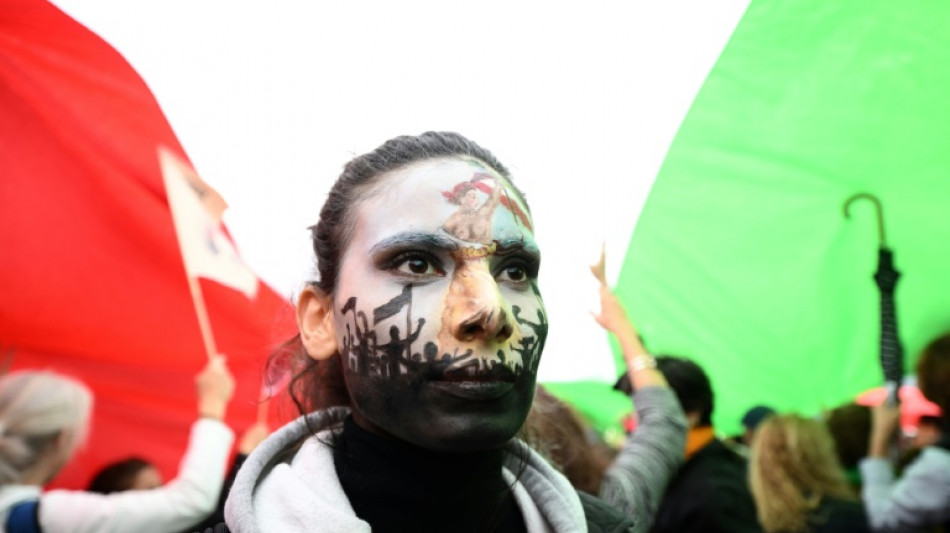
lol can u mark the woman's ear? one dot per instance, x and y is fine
(315, 322)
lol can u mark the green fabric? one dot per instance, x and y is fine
(742, 259)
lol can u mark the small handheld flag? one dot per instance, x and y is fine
(206, 249)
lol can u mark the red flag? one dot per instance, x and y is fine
(92, 282)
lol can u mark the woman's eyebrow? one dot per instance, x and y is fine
(428, 241)
(524, 245)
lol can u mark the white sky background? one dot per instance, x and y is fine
(270, 100)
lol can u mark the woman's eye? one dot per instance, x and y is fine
(514, 273)
(417, 266)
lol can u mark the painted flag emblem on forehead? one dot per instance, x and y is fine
(196, 209)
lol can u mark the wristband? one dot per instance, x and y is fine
(641, 362)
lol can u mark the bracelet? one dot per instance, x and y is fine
(641, 362)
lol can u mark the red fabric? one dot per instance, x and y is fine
(92, 282)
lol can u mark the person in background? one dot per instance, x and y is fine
(751, 420)
(638, 477)
(136, 473)
(44, 417)
(133, 473)
(797, 482)
(920, 499)
(928, 432)
(850, 428)
(710, 492)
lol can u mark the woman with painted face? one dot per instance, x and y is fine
(420, 344)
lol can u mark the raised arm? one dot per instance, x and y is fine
(176, 505)
(916, 500)
(637, 479)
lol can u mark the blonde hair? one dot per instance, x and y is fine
(792, 467)
(36, 407)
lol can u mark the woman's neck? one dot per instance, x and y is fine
(396, 486)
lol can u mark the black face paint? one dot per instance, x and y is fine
(447, 400)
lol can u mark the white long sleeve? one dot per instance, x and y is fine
(919, 500)
(184, 501)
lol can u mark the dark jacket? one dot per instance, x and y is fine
(839, 516)
(709, 494)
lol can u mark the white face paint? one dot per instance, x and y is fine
(437, 310)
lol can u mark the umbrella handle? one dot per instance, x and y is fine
(877, 206)
(893, 393)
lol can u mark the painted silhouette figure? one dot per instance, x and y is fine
(391, 353)
(362, 342)
(531, 347)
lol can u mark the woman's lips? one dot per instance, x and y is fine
(474, 389)
(474, 371)
(472, 381)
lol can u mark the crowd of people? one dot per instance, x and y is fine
(419, 343)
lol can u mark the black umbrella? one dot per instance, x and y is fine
(886, 276)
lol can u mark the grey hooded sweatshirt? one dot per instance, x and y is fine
(289, 484)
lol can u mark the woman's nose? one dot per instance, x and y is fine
(475, 307)
(486, 325)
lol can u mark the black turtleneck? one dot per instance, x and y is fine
(396, 486)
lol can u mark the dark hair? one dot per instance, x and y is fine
(560, 434)
(319, 384)
(850, 427)
(691, 385)
(755, 416)
(118, 476)
(933, 373)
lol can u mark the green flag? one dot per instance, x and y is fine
(742, 259)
